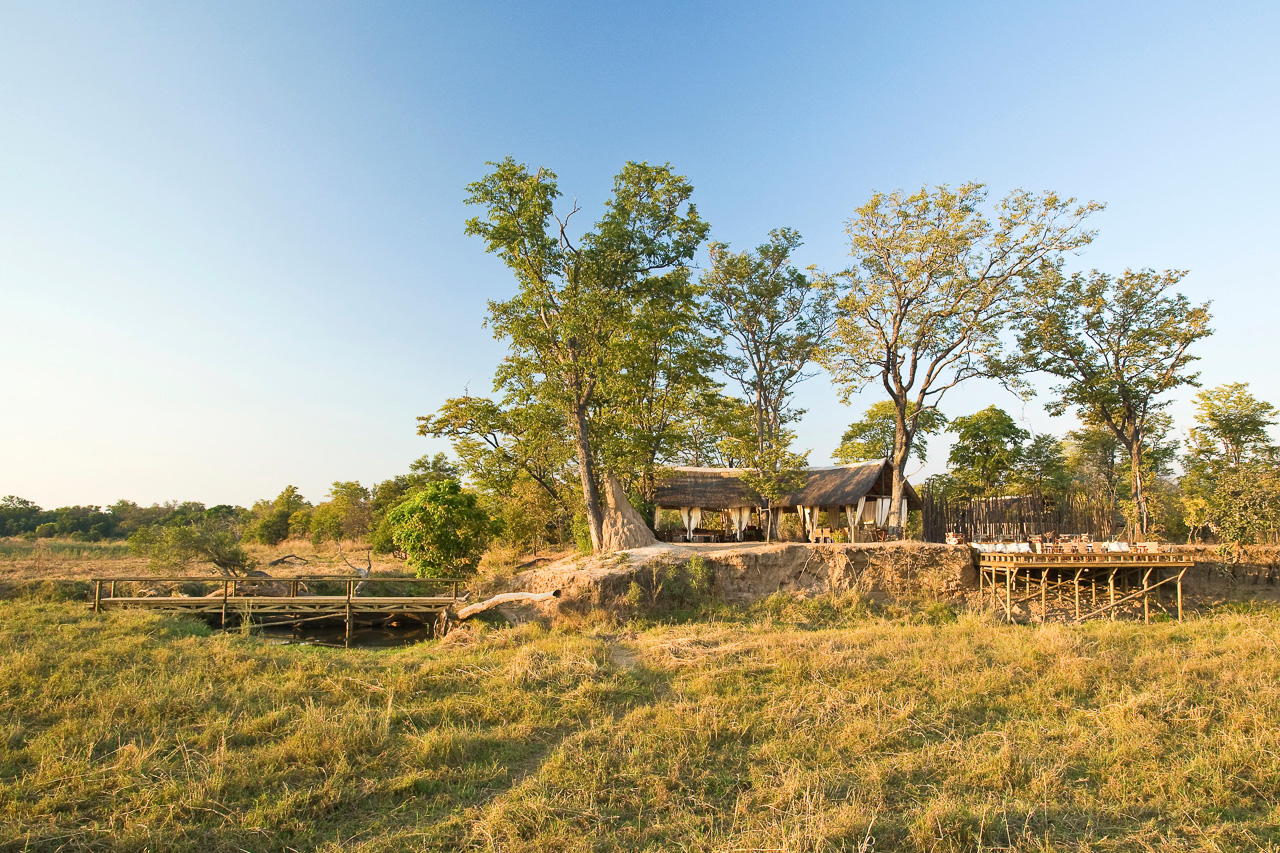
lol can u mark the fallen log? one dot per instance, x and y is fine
(505, 598)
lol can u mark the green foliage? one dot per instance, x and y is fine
(584, 306)
(388, 494)
(987, 449)
(271, 522)
(326, 524)
(1119, 344)
(442, 530)
(1041, 468)
(214, 539)
(1231, 426)
(581, 533)
(931, 288)
(776, 321)
(300, 524)
(872, 437)
(1231, 483)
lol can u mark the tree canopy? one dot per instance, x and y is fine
(1120, 344)
(931, 287)
(987, 450)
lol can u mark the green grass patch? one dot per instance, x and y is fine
(927, 730)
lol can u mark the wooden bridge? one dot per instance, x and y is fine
(287, 601)
(1068, 577)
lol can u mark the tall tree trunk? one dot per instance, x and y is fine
(901, 447)
(1139, 496)
(586, 468)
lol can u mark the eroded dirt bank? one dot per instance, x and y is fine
(749, 572)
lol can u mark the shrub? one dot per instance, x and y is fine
(442, 530)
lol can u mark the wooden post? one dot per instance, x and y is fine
(455, 590)
(350, 585)
(1044, 600)
(1146, 595)
(225, 585)
(1180, 574)
(97, 595)
(1008, 594)
(1111, 589)
(112, 590)
(1077, 586)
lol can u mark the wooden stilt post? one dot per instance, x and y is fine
(350, 585)
(1044, 598)
(1146, 596)
(1008, 594)
(112, 590)
(1077, 586)
(1180, 574)
(225, 585)
(97, 595)
(1111, 589)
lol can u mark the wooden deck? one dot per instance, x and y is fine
(286, 601)
(1118, 578)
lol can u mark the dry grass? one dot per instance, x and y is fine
(41, 559)
(134, 732)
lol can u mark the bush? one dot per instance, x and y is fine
(442, 530)
(48, 530)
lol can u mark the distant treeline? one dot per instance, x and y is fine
(21, 517)
(352, 511)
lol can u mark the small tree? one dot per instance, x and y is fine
(1231, 425)
(1041, 470)
(213, 539)
(987, 449)
(442, 530)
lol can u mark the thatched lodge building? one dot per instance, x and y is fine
(856, 497)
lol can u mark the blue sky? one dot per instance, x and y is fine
(231, 248)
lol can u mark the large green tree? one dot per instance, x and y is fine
(775, 320)
(580, 298)
(1119, 344)
(1230, 474)
(932, 285)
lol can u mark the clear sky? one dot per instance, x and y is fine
(231, 248)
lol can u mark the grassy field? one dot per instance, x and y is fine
(26, 560)
(770, 731)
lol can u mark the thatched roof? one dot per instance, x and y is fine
(722, 488)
